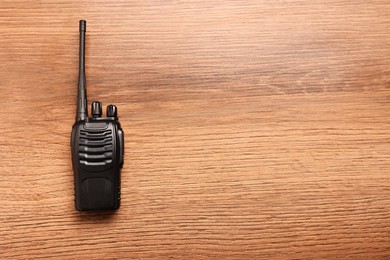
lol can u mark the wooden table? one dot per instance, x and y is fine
(253, 129)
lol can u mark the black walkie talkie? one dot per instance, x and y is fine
(97, 148)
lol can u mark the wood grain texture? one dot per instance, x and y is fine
(253, 129)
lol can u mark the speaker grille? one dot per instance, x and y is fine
(95, 147)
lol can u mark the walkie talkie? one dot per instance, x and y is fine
(97, 148)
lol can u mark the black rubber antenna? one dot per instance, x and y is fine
(82, 110)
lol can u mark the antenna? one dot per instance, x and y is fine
(82, 110)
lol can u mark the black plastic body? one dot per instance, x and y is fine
(97, 157)
(97, 145)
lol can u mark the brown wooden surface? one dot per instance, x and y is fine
(253, 129)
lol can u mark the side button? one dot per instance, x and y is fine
(121, 147)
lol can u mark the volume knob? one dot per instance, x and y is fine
(96, 109)
(112, 111)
